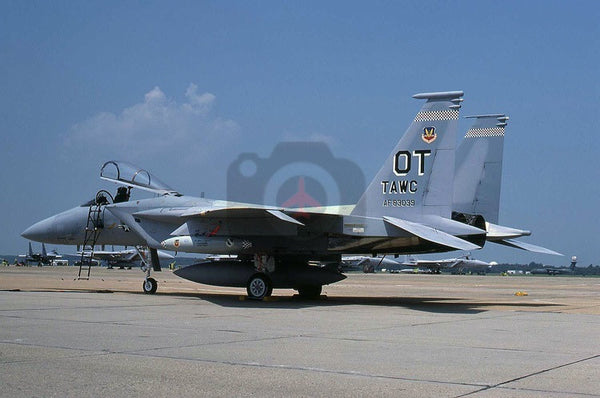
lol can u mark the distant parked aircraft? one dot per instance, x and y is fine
(43, 258)
(557, 270)
(126, 257)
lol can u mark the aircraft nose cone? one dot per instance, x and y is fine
(40, 231)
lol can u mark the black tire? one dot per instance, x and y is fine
(310, 292)
(258, 287)
(150, 285)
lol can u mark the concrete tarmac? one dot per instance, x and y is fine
(372, 335)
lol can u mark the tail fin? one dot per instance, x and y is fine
(30, 250)
(44, 253)
(479, 168)
(416, 178)
(479, 177)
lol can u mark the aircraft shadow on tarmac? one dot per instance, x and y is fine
(425, 304)
(441, 305)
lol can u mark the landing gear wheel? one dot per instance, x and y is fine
(258, 287)
(310, 292)
(150, 285)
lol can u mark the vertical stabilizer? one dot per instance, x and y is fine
(30, 251)
(44, 253)
(417, 177)
(479, 167)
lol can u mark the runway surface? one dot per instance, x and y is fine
(372, 335)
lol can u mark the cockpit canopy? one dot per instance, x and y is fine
(125, 173)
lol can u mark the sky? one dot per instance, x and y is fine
(183, 88)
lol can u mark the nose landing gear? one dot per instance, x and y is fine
(150, 284)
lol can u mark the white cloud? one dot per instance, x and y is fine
(310, 137)
(158, 126)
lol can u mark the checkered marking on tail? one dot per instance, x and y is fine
(246, 244)
(426, 116)
(485, 132)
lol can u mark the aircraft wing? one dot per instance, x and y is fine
(527, 246)
(221, 212)
(192, 218)
(436, 263)
(107, 255)
(241, 212)
(504, 236)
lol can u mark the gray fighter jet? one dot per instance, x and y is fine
(548, 270)
(459, 264)
(43, 258)
(369, 264)
(124, 258)
(374, 264)
(407, 208)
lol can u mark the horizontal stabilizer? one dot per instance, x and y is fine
(431, 234)
(527, 246)
(498, 232)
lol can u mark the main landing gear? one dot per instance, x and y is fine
(310, 292)
(259, 286)
(307, 280)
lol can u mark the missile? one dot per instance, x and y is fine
(206, 244)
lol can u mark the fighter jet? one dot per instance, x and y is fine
(369, 264)
(557, 270)
(43, 258)
(459, 264)
(407, 208)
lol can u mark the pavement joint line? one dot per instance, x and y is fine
(82, 321)
(566, 393)
(143, 353)
(395, 342)
(149, 349)
(310, 369)
(429, 323)
(539, 372)
(88, 352)
(108, 307)
(135, 352)
(536, 390)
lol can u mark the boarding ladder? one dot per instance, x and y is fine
(93, 228)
